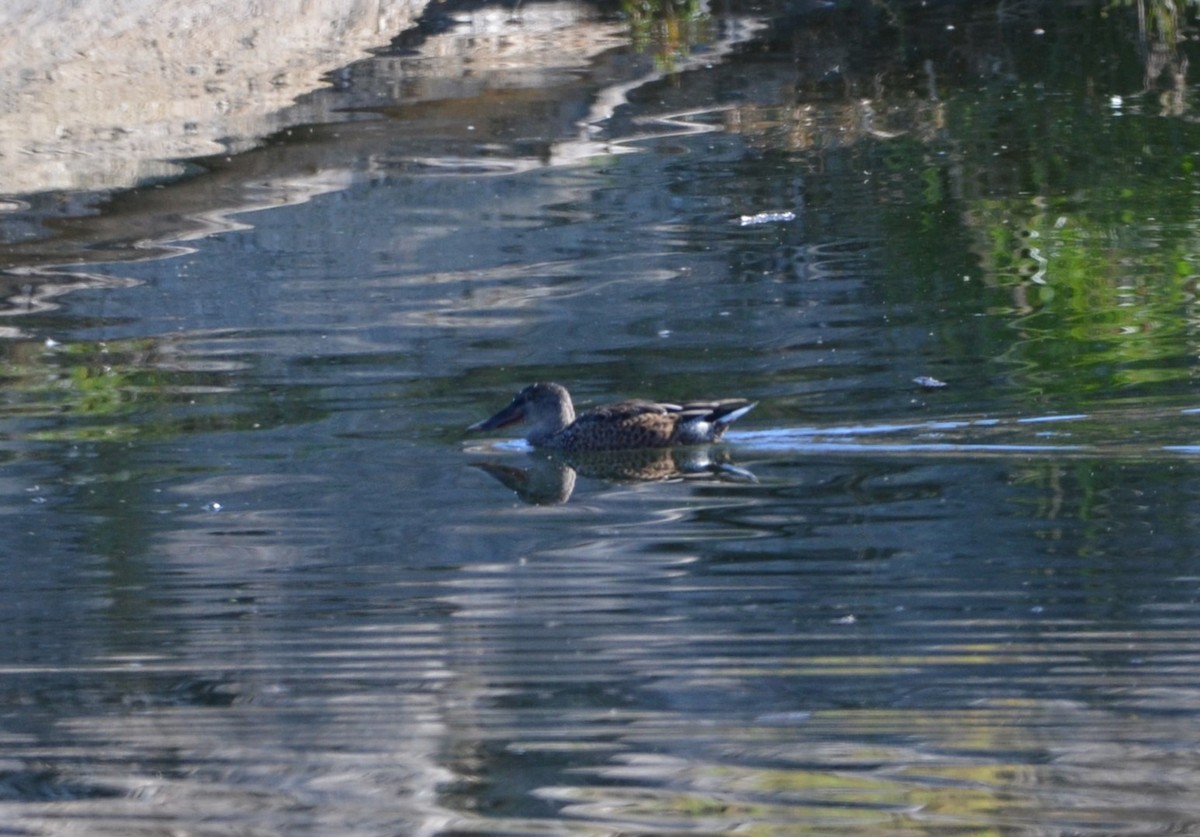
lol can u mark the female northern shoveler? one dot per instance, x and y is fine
(628, 425)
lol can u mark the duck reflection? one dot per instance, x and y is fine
(548, 479)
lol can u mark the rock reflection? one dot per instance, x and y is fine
(549, 479)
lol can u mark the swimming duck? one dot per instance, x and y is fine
(628, 425)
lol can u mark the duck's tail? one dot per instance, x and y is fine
(706, 422)
(727, 412)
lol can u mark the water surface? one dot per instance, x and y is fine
(260, 580)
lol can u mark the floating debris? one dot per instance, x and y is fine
(772, 217)
(928, 382)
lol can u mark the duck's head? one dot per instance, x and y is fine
(546, 407)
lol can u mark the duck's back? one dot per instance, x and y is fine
(628, 425)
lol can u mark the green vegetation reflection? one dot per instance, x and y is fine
(118, 390)
(1050, 198)
(668, 29)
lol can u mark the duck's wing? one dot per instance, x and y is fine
(626, 411)
(723, 411)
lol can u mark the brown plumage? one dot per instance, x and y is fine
(628, 425)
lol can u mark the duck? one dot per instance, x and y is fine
(626, 425)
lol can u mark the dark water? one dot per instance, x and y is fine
(258, 580)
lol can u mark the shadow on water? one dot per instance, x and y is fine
(550, 478)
